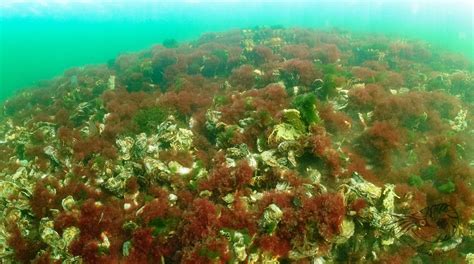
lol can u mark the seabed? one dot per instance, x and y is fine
(263, 145)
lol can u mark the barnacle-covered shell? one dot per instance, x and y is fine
(239, 247)
(305, 250)
(182, 140)
(82, 112)
(238, 242)
(271, 217)
(239, 152)
(229, 198)
(69, 234)
(459, 123)
(341, 101)
(125, 147)
(263, 258)
(389, 196)
(347, 231)
(270, 159)
(4, 249)
(68, 203)
(292, 149)
(175, 167)
(47, 129)
(212, 118)
(116, 183)
(104, 245)
(179, 139)
(52, 153)
(255, 196)
(141, 145)
(283, 132)
(50, 236)
(364, 188)
(153, 166)
(8, 188)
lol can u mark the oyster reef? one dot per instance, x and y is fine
(263, 145)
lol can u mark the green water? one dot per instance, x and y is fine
(40, 40)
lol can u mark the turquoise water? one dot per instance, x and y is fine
(39, 40)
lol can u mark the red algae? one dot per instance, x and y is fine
(327, 53)
(366, 97)
(25, 250)
(403, 255)
(275, 245)
(300, 72)
(200, 221)
(379, 141)
(243, 77)
(327, 211)
(43, 197)
(248, 146)
(238, 217)
(335, 121)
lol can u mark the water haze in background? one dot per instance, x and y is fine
(41, 39)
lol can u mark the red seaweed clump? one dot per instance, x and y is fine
(379, 141)
(335, 121)
(364, 74)
(25, 248)
(327, 53)
(298, 51)
(367, 96)
(200, 222)
(275, 245)
(243, 78)
(327, 211)
(299, 72)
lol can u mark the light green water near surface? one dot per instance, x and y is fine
(40, 40)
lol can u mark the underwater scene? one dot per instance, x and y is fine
(236, 132)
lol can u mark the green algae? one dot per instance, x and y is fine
(306, 105)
